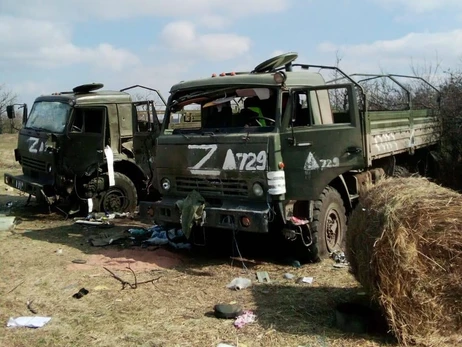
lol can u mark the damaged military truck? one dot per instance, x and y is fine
(281, 150)
(79, 146)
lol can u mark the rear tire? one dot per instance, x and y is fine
(401, 171)
(329, 225)
(121, 197)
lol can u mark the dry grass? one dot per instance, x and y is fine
(173, 311)
(8, 164)
(405, 248)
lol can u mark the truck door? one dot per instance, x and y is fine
(146, 129)
(320, 139)
(86, 137)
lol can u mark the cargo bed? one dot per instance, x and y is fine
(393, 132)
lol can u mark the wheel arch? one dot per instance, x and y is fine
(304, 208)
(339, 183)
(132, 171)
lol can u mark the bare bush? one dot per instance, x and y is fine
(7, 97)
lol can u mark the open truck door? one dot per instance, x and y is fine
(87, 139)
(147, 123)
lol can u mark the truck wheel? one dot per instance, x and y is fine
(329, 226)
(401, 171)
(121, 197)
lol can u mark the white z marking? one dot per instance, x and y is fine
(33, 148)
(196, 169)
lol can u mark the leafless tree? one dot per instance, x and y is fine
(7, 97)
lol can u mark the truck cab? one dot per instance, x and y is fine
(78, 145)
(277, 149)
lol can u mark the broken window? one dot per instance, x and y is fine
(231, 109)
(88, 120)
(49, 115)
(324, 106)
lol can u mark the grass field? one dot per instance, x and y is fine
(36, 264)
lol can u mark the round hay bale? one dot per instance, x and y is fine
(404, 245)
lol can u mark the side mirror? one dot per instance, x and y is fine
(24, 114)
(10, 111)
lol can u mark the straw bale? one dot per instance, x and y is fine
(404, 246)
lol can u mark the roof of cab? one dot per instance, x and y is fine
(294, 79)
(96, 97)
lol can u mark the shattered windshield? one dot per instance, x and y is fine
(224, 110)
(49, 116)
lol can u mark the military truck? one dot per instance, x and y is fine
(280, 150)
(90, 147)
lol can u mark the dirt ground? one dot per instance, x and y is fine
(37, 264)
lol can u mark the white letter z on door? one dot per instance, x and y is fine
(197, 169)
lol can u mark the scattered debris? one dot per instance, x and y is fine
(155, 235)
(29, 307)
(99, 288)
(28, 322)
(227, 311)
(338, 257)
(245, 318)
(224, 345)
(263, 277)
(161, 237)
(79, 261)
(16, 286)
(97, 219)
(288, 276)
(340, 265)
(295, 263)
(104, 240)
(125, 283)
(308, 280)
(244, 260)
(59, 251)
(239, 283)
(6, 222)
(81, 293)
(95, 223)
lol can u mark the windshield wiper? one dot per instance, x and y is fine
(210, 133)
(38, 129)
(184, 135)
(197, 94)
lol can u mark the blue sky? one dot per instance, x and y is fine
(52, 45)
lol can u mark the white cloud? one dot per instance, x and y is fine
(47, 44)
(182, 37)
(420, 6)
(106, 9)
(214, 21)
(400, 53)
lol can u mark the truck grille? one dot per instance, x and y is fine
(216, 186)
(34, 164)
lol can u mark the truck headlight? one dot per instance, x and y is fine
(257, 189)
(165, 183)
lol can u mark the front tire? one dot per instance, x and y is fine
(121, 197)
(329, 226)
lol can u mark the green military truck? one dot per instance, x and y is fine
(280, 150)
(88, 146)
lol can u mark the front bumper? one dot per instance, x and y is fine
(228, 216)
(26, 185)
